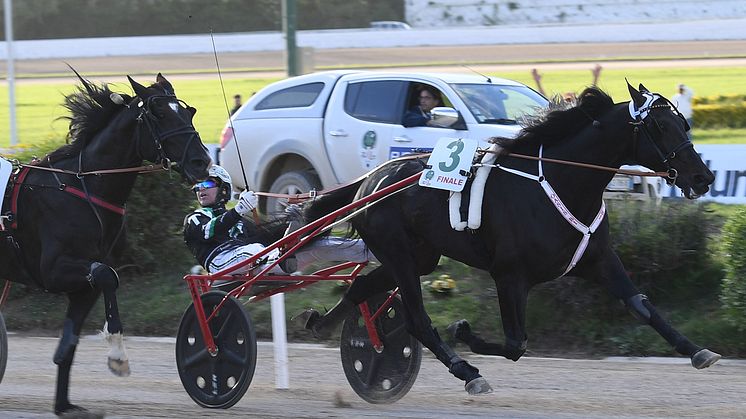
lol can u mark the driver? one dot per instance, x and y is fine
(220, 238)
(428, 97)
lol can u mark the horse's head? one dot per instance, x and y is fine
(169, 123)
(661, 142)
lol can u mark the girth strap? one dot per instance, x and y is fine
(98, 201)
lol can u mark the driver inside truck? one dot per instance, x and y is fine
(428, 97)
(220, 238)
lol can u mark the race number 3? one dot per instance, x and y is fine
(449, 164)
(457, 147)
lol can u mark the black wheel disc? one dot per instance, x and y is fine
(3, 347)
(380, 377)
(217, 381)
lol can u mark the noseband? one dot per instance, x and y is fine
(643, 119)
(159, 137)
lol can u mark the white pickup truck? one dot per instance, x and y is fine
(324, 129)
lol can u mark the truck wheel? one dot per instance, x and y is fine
(289, 183)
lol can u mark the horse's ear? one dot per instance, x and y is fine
(643, 88)
(165, 84)
(636, 96)
(139, 89)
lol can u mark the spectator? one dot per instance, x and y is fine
(429, 97)
(537, 78)
(683, 102)
(569, 97)
(236, 103)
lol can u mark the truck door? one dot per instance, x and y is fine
(358, 123)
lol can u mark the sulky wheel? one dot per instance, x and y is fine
(380, 377)
(3, 347)
(218, 381)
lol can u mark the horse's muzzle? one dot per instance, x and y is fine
(699, 186)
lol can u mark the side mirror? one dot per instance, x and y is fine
(445, 117)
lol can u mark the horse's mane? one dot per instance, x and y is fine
(91, 110)
(559, 121)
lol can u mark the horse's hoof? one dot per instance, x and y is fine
(478, 386)
(119, 367)
(704, 358)
(77, 412)
(459, 330)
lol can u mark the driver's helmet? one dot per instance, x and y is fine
(224, 179)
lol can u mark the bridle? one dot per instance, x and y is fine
(643, 119)
(159, 137)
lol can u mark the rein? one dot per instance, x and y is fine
(578, 164)
(312, 194)
(148, 168)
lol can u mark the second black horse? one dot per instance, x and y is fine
(540, 221)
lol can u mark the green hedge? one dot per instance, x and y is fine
(733, 294)
(665, 247)
(720, 116)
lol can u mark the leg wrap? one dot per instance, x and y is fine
(103, 277)
(638, 307)
(68, 342)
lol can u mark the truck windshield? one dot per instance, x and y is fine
(499, 104)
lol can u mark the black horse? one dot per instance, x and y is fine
(540, 221)
(66, 212)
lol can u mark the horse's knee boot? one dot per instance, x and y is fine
(456, 365)
(638, 305)
(103, 277)
(514, 349)
(68, 342)
(463, 370)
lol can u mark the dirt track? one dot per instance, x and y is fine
(481, 58)
(530, 388)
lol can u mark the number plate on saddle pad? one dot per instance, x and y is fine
(449, 164)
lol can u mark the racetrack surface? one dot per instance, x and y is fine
(480, 58)
(530, 388)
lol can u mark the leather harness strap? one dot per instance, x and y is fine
(18, 183)
(14, 197)
(98, 201)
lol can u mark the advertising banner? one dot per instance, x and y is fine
(728, 163)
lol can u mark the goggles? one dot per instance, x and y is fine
(204, 185)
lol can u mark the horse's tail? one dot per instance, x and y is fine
(332, 201)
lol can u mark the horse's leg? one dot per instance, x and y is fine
(106, 279)
(613, 275)
(401, 256)
(362, 288)
(70, 275)
(512, 298)
(80, 304)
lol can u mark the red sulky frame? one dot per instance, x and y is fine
(199, 284)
